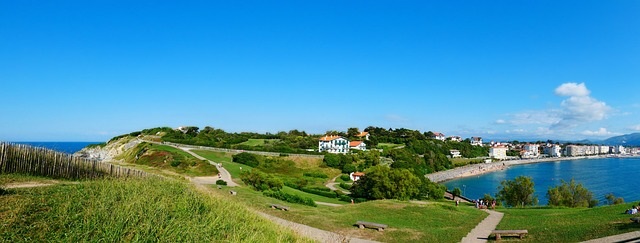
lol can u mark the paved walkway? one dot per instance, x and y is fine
(482, 231)
(626, 237)
(224, 174)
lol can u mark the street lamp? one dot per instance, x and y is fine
(464, 188)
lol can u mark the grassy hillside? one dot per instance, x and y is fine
(569, 224)
(141, 210)
(168, 158)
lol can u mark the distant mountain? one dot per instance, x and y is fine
(625, 140)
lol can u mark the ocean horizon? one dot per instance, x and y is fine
(65, 147)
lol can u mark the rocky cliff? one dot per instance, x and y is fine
(110, 151)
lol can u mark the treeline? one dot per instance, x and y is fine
(293, 141)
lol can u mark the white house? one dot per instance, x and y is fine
(455, 153)
(333, 144)
(531, 150)
(364, 135)
(359, 145)
(620, 150)
(455, 138)
(498, 152)
(553, 150)
(476, 141)
(439, 136)
(355, 176)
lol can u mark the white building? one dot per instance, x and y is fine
(476, 141)
(439, 136)
(355, 176)
(553, 150)
(498, 152)
(455, 138)
(359, 145)
(455, 153)
(333, 144)
(531, 150)
(620, 150)
(364, 135)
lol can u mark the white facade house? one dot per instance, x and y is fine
(476, 141)
(359, 145)
(498, 152)
(553, 150)
(439, 136)
(455, 153)
(364, 135)
(355, 176)
(333, 144)
(455, 138)
(620, 150)
(531, 150)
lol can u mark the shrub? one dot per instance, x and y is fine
(345, 177)
(292, 198)
(175, 163)
(246, 159)
(571, 194)
(323, 193)
(221, 182)
(316, 174)
(260, 181)
(345, 186)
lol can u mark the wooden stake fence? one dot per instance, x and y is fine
(18, 158)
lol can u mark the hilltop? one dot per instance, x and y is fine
(632, 139)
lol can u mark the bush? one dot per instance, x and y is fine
(571, 194)
(323, 193)
(246, 159)
(175, 163)
(260, 181)
(316, 175)
(345, 186)
(221, 183)
(292, 198)
(345, 177)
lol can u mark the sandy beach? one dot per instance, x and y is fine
(477, 169)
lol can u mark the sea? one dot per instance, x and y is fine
(600, 175)
(66, 147)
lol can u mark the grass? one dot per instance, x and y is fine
(315, 197)
(569, 224)
(387, 146)
(254, 142)
(457, 162)
(169, 158)
(430, 222)
(140, 210)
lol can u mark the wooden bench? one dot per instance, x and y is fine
(363, 224)
(281, 207)
(500, 233)
(233, 193)
(636, 219)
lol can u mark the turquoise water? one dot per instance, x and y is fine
(601, 176)
(66, 147)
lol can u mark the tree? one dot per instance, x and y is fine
(381, 182)
(456, 192)
(246, 158)
(517, 192)
(571, 194)
(613, 200)
(352, 132)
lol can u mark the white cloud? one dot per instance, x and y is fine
(599, 133)
(579, 107)
(573, 89)
(500, 121)
(635, 128)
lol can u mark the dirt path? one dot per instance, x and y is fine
(332, 185)
(29, 184)
(482, 231)
(224, 174)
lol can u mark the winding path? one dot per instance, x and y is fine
(482, 231)
(224, 174)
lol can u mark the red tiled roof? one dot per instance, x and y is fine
(329, 138)
(358, 173)
(354, 143)
(362, 134)
(437, 134)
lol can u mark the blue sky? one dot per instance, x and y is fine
(91, 70)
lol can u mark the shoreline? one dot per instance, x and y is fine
(479, 169)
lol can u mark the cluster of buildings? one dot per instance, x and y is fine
(531, 151)
(341, 145)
